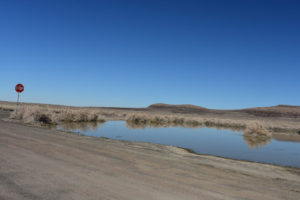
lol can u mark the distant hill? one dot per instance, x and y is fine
(273, 111)
(188, 106)
(183, 108)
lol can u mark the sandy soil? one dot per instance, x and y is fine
(37, 163)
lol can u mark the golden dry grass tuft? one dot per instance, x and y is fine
(257, 129)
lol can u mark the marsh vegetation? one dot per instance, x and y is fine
(261, 121)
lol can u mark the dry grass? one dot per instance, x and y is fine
(152, 120)
(257, 129)
(185, 116)
(36, 114)
(7, 107)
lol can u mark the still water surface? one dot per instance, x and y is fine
(224, 143)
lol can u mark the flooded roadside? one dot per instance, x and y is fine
(203, 140)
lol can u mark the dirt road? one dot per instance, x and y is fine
(38, 163)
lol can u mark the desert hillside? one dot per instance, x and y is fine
(273, 111)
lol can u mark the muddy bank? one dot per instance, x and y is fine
(45, 164)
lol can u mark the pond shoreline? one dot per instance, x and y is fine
(235, 145)
(276, 119)
(279, 136)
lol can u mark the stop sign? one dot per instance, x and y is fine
(19, 88)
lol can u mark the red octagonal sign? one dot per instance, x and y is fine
(19, 88)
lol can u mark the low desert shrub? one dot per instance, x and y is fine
(257, 129)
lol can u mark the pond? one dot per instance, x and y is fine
(218, 142)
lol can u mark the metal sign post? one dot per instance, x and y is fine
(19, 88)
(17, 103)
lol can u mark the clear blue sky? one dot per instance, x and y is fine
(217, 54)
